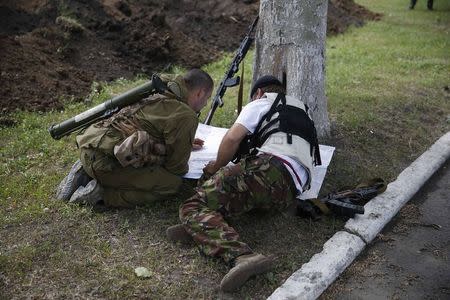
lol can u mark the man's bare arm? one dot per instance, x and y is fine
(227, 149)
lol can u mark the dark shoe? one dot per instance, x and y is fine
(177, 233)
(77, 177)
(90, 194)
(245, 267)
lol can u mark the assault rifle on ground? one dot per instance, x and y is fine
(228, 80)
(107, 108)
(344, 203)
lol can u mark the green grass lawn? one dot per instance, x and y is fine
(388, 92)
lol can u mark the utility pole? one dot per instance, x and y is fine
(290, 44)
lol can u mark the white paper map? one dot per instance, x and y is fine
(213, 136)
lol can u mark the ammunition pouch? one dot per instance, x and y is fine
(245, 149)
(140, 149)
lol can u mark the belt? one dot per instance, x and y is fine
(280, 166)
(286, 163)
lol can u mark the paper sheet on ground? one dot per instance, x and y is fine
(212, 137)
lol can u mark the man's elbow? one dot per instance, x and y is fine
(234, 138)
(231, 140)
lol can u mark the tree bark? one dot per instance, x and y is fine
(290, 44)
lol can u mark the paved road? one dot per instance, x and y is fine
(411, 258)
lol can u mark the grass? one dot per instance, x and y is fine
(387, 102)
(387, 85)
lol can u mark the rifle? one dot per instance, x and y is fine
(344, 203)
(312, 208)
(107, 108)
(228, 80)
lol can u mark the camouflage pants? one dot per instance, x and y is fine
(255, 182)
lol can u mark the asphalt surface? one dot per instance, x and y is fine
(410, 259)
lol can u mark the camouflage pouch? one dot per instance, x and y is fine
(140, 149)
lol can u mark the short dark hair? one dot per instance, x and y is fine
(273, 88)
(196, 78)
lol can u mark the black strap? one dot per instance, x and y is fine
(268, 115)
(292, 121)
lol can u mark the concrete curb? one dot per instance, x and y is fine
(316, 275)
(340, 250)
(384, 207)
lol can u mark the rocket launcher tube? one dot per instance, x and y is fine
(107, 108)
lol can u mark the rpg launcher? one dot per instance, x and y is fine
(107, 108)
(228, 79)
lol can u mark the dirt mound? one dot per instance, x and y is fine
(344, 13)
(52, 49)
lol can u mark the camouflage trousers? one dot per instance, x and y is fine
(255, 182)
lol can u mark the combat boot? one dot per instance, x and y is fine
(245, 267)
(90, 194)
(77, 177)
(177, 233)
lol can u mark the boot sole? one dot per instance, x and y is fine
(241, 275)
(71, 182)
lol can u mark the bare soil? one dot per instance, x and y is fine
(55, 49)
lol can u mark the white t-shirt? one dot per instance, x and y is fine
(250, 116)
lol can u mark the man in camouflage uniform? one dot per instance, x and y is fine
(138, 155)
(256, 181)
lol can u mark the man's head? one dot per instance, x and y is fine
(266, 84)
(200, 86)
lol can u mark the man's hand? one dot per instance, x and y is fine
(197, 144)
(227, 149)
(210, 168)
(208, 172)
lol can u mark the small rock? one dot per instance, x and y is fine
(143, 272)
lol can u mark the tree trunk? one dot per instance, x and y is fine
(290, 44)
